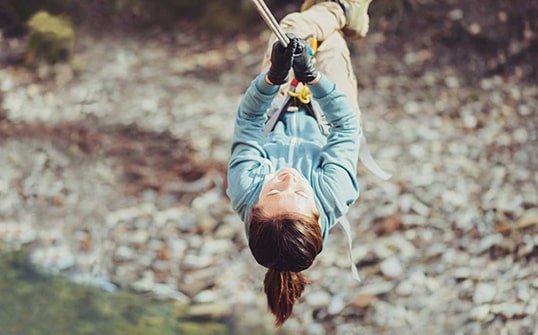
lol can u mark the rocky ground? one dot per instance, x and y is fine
(113, 174)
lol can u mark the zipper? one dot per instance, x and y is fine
(293, 138)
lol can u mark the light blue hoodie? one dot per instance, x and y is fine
(329, 163)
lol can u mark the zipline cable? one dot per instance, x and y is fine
(269, 18)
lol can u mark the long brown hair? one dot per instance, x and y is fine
(286, 244)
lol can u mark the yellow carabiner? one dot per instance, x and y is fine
(303, 95)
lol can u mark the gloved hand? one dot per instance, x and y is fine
(304, 69)
(281, 60)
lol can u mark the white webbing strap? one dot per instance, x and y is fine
(347, 229)
(270, 125)
(366, 158)
(274, 113)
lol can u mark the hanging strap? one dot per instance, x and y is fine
(366, 158)
(347, 229)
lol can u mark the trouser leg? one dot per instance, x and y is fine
(320, 21)
(324, 21)
(333, 60)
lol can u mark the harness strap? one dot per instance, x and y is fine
(276, 113)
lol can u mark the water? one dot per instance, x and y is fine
(32, 303)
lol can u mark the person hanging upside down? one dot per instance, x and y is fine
(291, 183)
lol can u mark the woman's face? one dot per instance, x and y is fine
(287, 191)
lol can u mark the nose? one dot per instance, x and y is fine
(288, 180)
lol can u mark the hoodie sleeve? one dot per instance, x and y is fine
(246, 166)
(338, 187)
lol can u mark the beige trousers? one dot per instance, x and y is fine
(324, 21)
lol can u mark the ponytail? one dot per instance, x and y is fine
(286, 244)
(282, 290)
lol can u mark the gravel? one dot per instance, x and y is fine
(449, 245)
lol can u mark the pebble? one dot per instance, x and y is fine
(462, 273)
(145, 284)
(484, 293)
(95, 281)
(124, 274)
(336, 305)
(488, 242)
(452, 82)
(217, 247)
(378, 288)
(125, 253)
(318, 299)
(16, 232)
(508, 310)
(391, 267)
(390, 315)
(532, 308)
(55, 258)
(405, 288)
(192, 261)
(316, 329)
(480, 313)
(414, 220)
(205, 296)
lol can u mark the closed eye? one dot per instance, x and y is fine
(302, 194)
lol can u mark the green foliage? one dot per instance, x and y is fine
(32, 303)
(51, 39)
(46, 24)
(24, 9)
(222, 15)
(19, 11)
(219, 16)
(209, 328)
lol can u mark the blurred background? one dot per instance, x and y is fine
(116, 119)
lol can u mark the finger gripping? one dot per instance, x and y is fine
(303, 67)
(281, 60)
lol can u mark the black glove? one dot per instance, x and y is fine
(303, 67)
(281, 60)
